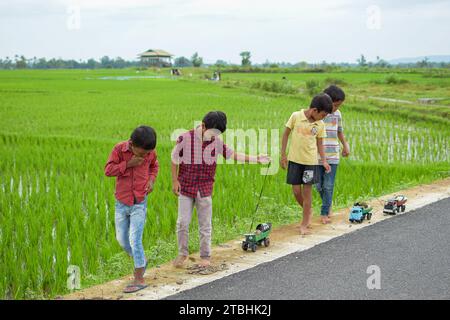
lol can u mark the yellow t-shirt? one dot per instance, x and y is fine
(304, 135)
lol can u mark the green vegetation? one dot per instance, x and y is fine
(57, 128)
(275, 86)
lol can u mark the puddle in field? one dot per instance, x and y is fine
(127, 77)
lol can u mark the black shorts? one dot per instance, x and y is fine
(302, 174)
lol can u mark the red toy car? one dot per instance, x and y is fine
(395, 205)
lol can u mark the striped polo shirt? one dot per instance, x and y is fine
(333, 125)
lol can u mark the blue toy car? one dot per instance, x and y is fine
(359, 212)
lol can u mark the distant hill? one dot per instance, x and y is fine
(440, 58)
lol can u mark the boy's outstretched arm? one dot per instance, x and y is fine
(322, 155)
(346, 150)
(284, 141)
(229, 153)
(241, 157)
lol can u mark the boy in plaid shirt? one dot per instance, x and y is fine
(193, 170)
(335, 134)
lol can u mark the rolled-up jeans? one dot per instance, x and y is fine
(204, 214)
(130, 221)
(325, 187)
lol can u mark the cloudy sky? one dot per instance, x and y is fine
(281, 30)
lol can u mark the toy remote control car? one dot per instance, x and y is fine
(260, 236)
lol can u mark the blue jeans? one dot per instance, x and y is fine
(130, 221)
(325, 187)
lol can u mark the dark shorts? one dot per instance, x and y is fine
(302, 174)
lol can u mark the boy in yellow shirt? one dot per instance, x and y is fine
(307, 130)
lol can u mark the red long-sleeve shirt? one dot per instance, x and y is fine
(131, 182)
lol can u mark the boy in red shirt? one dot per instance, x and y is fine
(134, 164)
(193, 171)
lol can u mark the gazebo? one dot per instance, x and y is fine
(156, 58)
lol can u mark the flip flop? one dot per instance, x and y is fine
(137, 286)
(134, 288)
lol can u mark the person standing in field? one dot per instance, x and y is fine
(308, 131)
(193, 170)
(335, 133)
(134, 164)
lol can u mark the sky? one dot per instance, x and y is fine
(281, 30)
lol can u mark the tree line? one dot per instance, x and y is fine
(21, 62)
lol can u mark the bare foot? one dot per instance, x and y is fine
(204, 263)
(309, 226)
(179, 261)
(324, 219)
(304, 231)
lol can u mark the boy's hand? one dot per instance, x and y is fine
(263, 159)
(284, 162)
(327, 167)
(134, 162)
(149, 187)
(346, 151)
(176, 187)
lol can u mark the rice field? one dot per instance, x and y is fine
(57, 128)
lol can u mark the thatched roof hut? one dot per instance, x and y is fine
(156, 57)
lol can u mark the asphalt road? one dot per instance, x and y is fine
(411, 250)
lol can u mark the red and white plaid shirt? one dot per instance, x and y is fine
(197, 161)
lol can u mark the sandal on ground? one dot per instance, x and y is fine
(134, 288)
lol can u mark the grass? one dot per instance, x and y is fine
(57, 128)
(415, 84)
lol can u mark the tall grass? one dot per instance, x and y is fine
(282, 86)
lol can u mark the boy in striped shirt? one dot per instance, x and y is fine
(334, 134)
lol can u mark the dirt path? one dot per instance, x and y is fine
(229, 258)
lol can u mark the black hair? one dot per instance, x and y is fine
(216, 120)
(336, 93)
(322, 102)
(144, 137)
